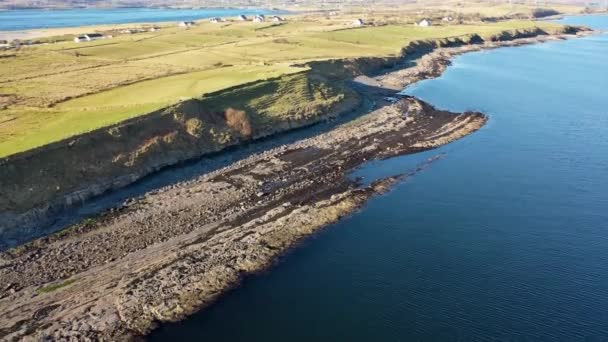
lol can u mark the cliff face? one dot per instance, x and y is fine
(37, 185)
(351, 67)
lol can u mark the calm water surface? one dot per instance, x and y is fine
(504, 239)
(37, 19)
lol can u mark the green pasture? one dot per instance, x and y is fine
(54, 91)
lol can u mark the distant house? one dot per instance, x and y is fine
(277, 19)
(154, 29)
(448, 19)
(215, 20)
(89, 37)
(333, 13)
(242, 17)
(424, 23)
(186, 23)
(93, 36)
(259, 19)
(358, 22)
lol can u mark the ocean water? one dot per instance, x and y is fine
(504, 239)
(14, 20)
(599, 22)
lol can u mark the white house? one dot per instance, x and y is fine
(215, 20)
(88, 37)
(242, 17)
(424, 23)
(449, 19)
(186, 23)
(358, 22)
(277, 19)
(154, 29)
(259, 19)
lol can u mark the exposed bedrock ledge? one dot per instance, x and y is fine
(173, 251)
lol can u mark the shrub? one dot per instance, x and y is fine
(239, 121)
(543, 12)
(194, 127)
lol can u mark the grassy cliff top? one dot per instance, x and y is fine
(53, 91)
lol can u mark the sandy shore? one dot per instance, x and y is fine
(173, 251)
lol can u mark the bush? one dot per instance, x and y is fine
(543, 12)
(194, 127)
(239, 121)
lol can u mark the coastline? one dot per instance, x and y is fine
(35, 33)
(302, 185)
(60, 31)
(433, 64)
(135, 148)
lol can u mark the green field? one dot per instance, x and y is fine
(53, 91)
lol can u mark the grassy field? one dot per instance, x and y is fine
(53, 91)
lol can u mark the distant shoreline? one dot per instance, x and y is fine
(59, 31)
(127, 7)
(40, 32)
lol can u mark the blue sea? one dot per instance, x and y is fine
(503, 239)
(17, 20)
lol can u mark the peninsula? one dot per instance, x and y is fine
(80, 119)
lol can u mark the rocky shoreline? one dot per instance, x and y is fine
(173, 251)
(434, 63)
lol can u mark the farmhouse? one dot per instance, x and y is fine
(215, 20)
(276, 18)
(93, 36)
(424, 23)
(449, 19)
(186, 23)
(88, 37)
(259, 19)
(358, 22)
(242, 17)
